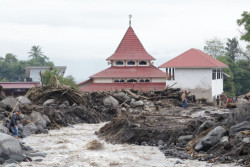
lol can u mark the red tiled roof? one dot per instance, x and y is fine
(193, 58)
(130, 48)
(19, 85)
(118, 86)
(121, 72)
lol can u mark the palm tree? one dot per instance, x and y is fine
(36, 53)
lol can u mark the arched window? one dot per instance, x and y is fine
(142, 80)
(116, 80)
(122, 80)
(119, 63)
(132, 80)
(142, 63)
(131, 63)
(147, 80)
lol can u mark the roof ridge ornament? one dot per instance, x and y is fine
(130, 16)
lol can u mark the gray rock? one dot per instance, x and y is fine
(239, 127)
(122, 96)
(46, 118)
(246, 140)
(3, 128)
(62, 106)
(66, 103)
(210, 139)
(26, 118)
(10, 147)
(132, 102)
(29, 129)
(2, 105)
(23, 100)
(110, 101)
(204, 126)
(185, 139)
(36, 154)
(160, 143)
(10, 102)
(2, 116)
(224, 139)
(138, 103)
(38, 119)
(48, 102)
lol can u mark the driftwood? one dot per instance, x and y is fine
(41, 94)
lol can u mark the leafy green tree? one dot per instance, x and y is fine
(232, 48)
(229, 84)
(214, 47)
(245, 22)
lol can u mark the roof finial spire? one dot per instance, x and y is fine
(130, 19)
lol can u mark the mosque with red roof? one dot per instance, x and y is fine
(131, 68)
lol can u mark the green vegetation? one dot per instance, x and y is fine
(52, 77)
(13, 70)
(237, 59)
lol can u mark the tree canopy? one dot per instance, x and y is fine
(13, 70)
(245, 22)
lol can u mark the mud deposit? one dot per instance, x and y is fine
(67, 148)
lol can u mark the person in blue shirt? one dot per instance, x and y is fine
(14, 123)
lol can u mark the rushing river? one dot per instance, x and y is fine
(67, 148)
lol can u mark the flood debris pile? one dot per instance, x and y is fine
(221, 138)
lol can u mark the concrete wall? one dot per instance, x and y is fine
(198, 81)
(217, 87)
(103, 80)
(159, 80)
(34, 74)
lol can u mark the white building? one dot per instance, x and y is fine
(197, 72)
(32, 73)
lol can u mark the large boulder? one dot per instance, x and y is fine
(23, 100)
(3, 128)
(122, 96)
(138, 103)
(110, 101)
(10, 102)
(10, 148)
(49, 102)
(2, 116)
(2, 105)
(239, 127)
(204, 126)
(185, 139)
(37, 118)
(29, 129)
(210, 139)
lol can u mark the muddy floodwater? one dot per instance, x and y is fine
(67, 148)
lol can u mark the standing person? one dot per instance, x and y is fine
(184, 99)
(14, 123)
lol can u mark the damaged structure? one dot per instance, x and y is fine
(131, 67)
(197, 72)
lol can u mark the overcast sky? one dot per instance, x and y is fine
(81, 34)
